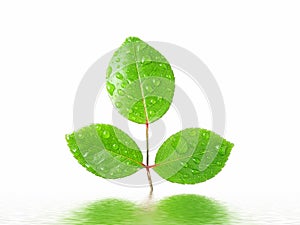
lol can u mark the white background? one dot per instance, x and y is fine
(251, 47)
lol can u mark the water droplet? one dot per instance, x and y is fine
(168, 76)
(101, 168)
(205, 135)
(118, 104)
(219, 164)
(74, 149)
(68, 137)
(124, 84)
(85, 154)
(115, 146)
(120, 92)
(87, 165)
(105, 134)
(117, 59)
(108, 71)
(110, 88)
(222, 151)
(149, 88)
(156, 81)
(160, 64)
(196, 160)
(151, 113)
(152, 101)
(119, 76)
(130, 97)
(195, 171)
(183, 164)
(137, 114)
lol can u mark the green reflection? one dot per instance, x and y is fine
(108, 211)
(190, 210)
(174, 210)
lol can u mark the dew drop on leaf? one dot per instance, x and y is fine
(152, 101)
(156, 82)
(110, 88)
(151, 113)
(115, 146)
(149, 88)
(119, 76)
(196, 160)
(118, 104)
(195, 172)
(183, 164)
(105, 134)
(222, 151)
(120, 92)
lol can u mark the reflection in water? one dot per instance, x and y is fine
(179, 209)
(108, 211)
(190, 210)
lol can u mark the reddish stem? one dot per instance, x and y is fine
(149, 167)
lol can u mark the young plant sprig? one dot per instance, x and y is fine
(141, 84)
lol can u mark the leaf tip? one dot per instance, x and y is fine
(132, 39)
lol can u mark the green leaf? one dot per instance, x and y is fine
(191, 156)
(105, 150)
(140, 81)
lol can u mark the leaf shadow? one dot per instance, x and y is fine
(188, 209)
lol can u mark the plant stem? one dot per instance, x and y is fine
(147, 159)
